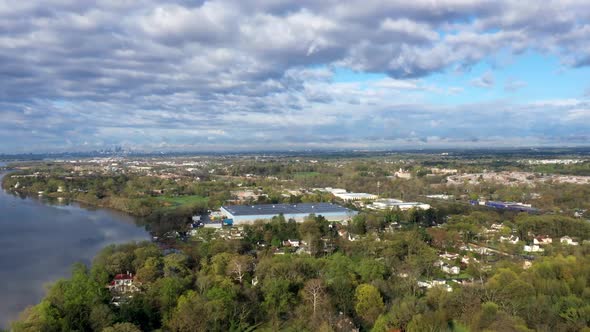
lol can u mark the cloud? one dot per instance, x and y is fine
(513, 85)
(484, 81)
(89, 74)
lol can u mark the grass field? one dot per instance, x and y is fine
(178, 201)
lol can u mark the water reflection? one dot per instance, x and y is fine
(42, 238)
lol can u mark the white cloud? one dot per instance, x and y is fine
(484, 81)
(171, 72)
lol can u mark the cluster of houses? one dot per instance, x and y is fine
(447, 261)
(543, 240)
(537, 244)
(435, 283)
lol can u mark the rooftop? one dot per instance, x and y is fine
(275, 209)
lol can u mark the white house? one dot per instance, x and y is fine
(292, 243)
(402, 174)
(510, 239)
(533, 248)
(568, 240)
(446, 255)
(542, 240)
(435, 283)
(451, 269)
(123, 283)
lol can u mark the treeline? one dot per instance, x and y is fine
(137, 195)
(370, 284)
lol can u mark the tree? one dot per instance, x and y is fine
(122, 327)
(101, 316)
(167, 290)
(369, 303)
(150, 271)
(370, 269)
(176, 265)
(239, 266)
(311, 233)
(277, 297)
(74, 298)
(190, 314)
(314, 292)
(42, 317)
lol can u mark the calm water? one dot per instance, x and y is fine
(40, 241)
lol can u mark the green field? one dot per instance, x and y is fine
(178, 201)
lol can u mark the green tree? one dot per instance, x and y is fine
(122, 327)
(369, 303)
(277, 297)
(101, 316)
(191, 314)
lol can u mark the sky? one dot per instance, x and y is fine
(220, 75)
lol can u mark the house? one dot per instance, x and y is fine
(511, 239)
(542, 240)
(435, 283)
(446, 255)
(497, 227)
(466, 260)
(122, 288)
(533, 248)
(292, 243)
(403, 174)
(568, 240)
(450, 269)
(353, 238)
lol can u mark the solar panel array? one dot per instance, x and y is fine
(275, 209)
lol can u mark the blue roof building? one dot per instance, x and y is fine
(245, 214)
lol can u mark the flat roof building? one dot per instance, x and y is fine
(355, 196)
(390, 203)
(246, 214)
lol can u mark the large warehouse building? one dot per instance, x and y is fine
(246, 214)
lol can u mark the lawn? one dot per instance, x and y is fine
(178, 201)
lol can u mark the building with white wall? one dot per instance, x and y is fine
(391, 203)
(247, 214)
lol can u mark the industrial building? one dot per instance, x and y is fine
(355, 196)
(390, 203)
(245, 214)
(346, 196)
(513, 206)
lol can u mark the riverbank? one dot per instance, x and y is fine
(160, 215)
(40, 241)
(129, 206)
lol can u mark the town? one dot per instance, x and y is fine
(425, 223)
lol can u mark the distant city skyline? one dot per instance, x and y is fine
(262, 75)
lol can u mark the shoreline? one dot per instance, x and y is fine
(67, 196)
(78, 236)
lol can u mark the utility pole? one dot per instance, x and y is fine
(378, 186)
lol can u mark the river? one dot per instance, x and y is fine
(39, 242)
